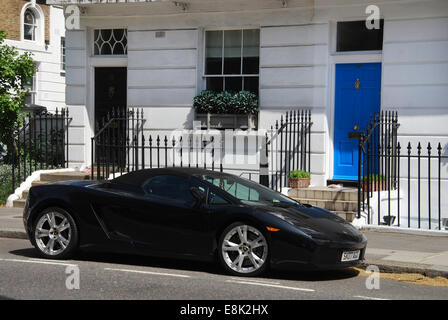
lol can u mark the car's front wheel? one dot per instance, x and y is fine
(55, 234)
(243, 250)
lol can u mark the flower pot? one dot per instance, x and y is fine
(374, 185)
(299, 182)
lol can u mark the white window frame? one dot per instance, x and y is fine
(108, 55)
(63, 61)
(334, 39)
(40, 23)
(34, 86)
(222, 75)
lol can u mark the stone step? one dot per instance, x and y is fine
(19, 203)
(39, 183)
(25, 194)
(348, 216)
(64, 176)
(332, 205)
(325, 193)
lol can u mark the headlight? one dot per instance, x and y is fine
(313, 233)
(306, 231)
(279, 215)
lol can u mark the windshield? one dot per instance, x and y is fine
(248, 191)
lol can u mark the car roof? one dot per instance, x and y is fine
(137, 178)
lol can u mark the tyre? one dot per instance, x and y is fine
(55, 234)
(243, 250)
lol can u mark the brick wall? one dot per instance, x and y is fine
(10, 17)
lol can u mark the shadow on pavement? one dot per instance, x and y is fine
(129, 260)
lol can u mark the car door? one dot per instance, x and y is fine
(170, 219)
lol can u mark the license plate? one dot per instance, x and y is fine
(350, 255)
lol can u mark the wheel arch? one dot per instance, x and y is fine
(243, 219)
(53, 203)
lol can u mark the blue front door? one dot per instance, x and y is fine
(357, 98)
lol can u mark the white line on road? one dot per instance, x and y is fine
(149, 272)
(369, 298)
(41, 262)
(256, 281)
(271, 285)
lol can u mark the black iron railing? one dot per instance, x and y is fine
(288, 147)
(377, 163)
(40, 142)
(122, 145)
(400, 183)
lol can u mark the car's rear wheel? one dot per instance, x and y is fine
(55, 234)
(243, 250)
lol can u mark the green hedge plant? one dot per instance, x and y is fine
(299, 174)
(243, 102)
(204, 102)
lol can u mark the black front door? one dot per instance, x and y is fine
(110, 91)
(110, 97)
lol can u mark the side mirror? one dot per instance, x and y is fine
(198, 194)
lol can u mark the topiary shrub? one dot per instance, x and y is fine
(243, 102)
(223, 103)
(204, 102)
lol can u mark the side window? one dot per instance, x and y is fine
(170, 187)
(237, 190)
(214, 199)
(242, 192)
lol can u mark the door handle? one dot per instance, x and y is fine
(355, 127)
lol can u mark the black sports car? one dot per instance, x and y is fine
(190, 213)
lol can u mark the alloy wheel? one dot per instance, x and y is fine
(53, 233)
(244, 249)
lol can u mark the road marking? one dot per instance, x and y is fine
(369, 298)
(256, 281)
(40, 262)
(149, 272)
(46, 260)
(271, 285)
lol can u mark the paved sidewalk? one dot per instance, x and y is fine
(391, 252)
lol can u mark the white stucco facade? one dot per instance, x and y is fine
(297, 64)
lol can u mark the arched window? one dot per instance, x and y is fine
(32, 23)
(29, 25)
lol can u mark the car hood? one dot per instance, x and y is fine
(317, 219)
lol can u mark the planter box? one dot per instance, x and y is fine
(299, 182)
(227, 121)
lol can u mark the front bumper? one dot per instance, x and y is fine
(317, 255)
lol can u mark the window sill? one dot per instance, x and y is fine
(352, 53)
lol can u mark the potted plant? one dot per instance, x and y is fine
(226, 110)
(299, 179)
(373, 182)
